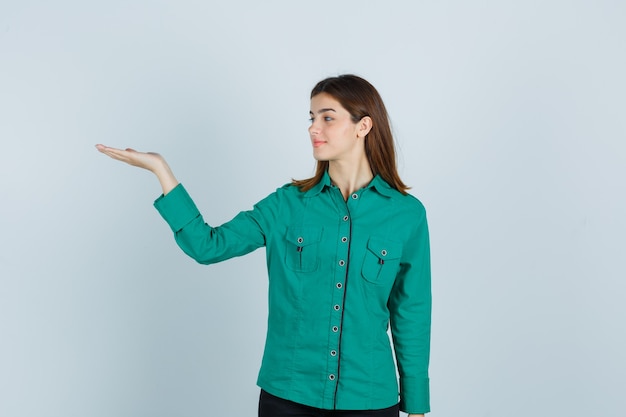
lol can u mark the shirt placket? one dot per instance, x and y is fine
(339, 295)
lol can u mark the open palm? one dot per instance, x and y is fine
(147, 160)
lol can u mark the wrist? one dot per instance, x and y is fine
(165, 176)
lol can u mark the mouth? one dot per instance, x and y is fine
(318, 143)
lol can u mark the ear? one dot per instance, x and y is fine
(364, 126)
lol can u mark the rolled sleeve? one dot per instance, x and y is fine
(177, 208)
(415, 395)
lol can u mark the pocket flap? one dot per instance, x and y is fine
(304, 235)
(384, 249)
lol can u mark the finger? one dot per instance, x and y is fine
(116, 154)
(103, 148)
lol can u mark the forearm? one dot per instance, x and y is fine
(202, 242)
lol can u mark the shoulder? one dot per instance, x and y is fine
(409, 211)
(408, 202)
(285, 192)
(289, 189)
(400, 200)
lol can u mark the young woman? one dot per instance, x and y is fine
(347, 256)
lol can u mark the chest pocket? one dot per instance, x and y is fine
(302, 254)
(382, 260)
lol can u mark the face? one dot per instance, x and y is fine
(334, 135)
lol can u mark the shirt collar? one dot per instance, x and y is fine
(320, 186)
(381, 186)
(377, 183)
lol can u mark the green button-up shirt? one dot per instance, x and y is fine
(340, 272)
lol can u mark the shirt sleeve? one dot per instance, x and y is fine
(410, 317)
(206, 244)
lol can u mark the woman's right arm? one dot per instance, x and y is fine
(204, 243)
(151, 161)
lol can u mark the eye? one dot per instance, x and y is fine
(328, 119)
(311, 119)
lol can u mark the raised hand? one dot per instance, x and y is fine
(146, 160)
(151, 161)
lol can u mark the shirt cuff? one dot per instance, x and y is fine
(177, 208)
(414, 395)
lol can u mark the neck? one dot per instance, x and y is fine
(350, 177)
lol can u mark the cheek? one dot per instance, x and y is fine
(349, 133)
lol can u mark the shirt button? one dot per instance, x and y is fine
(331, 377)
(355, 196)
(333, 353)
(344, 239)
(337, 307)
(342, 262)
(345, 218)
(383, 252)
(339, 285)
(300, 240)
(335, 329)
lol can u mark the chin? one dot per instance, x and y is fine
(320, 158)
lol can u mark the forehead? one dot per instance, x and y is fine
(324, 102)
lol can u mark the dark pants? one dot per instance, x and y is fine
(272, 406)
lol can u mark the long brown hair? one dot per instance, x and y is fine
(361, 99)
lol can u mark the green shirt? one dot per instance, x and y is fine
(340, 272)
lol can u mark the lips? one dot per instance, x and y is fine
(318, 143)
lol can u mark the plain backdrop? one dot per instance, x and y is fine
(510, 118)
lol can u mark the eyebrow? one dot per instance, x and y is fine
(323, 111)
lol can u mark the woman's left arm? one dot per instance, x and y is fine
(410, 317)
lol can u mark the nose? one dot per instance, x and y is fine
(313, 129)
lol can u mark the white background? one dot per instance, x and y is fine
(510, 122)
